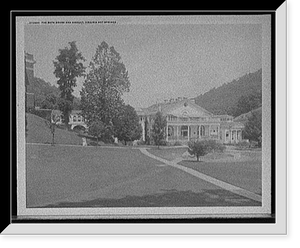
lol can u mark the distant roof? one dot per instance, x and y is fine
(244, 117)
(166, 107)
(223, 116)
(58, 112)
(233, 124)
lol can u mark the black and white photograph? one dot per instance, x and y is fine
(145, 116)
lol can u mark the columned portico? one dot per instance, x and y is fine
(192, 131)
(187, 121)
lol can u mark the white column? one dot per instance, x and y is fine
(144, 131)
(167, 133)
(188, 133)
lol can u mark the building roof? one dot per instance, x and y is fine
(58, 112)
(170, 107)
(244, 117)
(232, 125)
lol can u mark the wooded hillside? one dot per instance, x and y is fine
(223, 100)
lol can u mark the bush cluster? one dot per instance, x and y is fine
(203, 147)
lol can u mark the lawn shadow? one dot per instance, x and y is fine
(167, 198)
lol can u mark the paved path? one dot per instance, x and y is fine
(221, 184)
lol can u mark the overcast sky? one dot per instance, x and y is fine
(163, 61)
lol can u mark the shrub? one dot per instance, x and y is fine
(177, 143)
(97, 130)
(203, 147)
(163, 143)
(243, 145)
(215, 146)
(141, 143)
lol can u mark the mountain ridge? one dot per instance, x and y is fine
(223, 99)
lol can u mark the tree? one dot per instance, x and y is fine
(97, 130)
(247, 103)
(41, 90)
(147, 135)
(52, 126)
(68, 67)
(158, 129)
(126, 126)
(50, 102)
(203, 147)
(65, 106)
(253, 128)
(104, 85)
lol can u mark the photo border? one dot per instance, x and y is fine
(181, 217)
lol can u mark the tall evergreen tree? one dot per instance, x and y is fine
(68, 67)
(158, 129)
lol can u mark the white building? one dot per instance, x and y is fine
(76, 120)
(187, 121)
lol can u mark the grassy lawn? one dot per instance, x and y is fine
(54, 173)
(38, 132)
(244, 172)
(71, 176)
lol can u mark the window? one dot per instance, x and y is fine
(233, 135)
(170, 131)
(202, 131)
(214, 130)
(227, 136)
(184, 131)
(172, 118)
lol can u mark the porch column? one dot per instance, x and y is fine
(167, 132)
(144, 131)
(188, 133)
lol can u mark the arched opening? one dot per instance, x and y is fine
(170, 131)
(202, 130)
(79, 128)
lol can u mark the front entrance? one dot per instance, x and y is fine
(227, 136)
(184, 132)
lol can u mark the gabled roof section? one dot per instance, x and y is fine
(176, 108)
